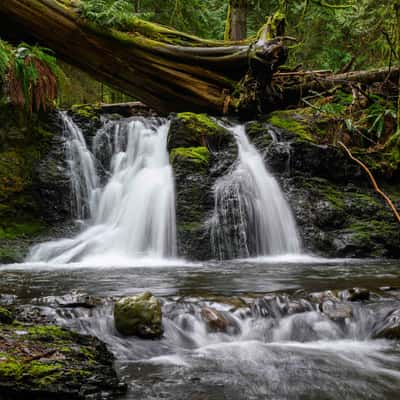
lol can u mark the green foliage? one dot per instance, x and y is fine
(5, 54)
(33, 77)
(108, 13)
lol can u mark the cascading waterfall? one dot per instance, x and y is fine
(251, 215)
(125, 186)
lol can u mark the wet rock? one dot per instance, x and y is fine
(48, 362)
(336, 311)
(7, 299)
(390, 327)
(355, 294)
(34, 185)
(219, 321)
(192, 130)
(6, 316)
(74, 299)
(139, 315)
(200, 153)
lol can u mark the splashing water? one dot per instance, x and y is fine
(133, 215)
(251, 215)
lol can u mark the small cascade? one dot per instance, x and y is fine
(82, 169)
(251, 215)
(125, 186)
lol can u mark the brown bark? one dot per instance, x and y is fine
(166, 69)
(236, 20)
(292, 86)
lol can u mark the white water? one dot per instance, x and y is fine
(251, 216)
(132, 215)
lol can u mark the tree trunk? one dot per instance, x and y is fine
(236, 20)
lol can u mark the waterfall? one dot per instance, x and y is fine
(124, 187)
(251, 215)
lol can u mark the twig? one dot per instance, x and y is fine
(373, 181)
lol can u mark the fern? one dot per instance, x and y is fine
(5, 54)
(33, 77)
(108, 13)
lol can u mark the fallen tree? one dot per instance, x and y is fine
(166, 69)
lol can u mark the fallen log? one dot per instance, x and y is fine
(170, 70)
(166, 69)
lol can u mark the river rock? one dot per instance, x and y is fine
(336, 311)
(48, 362)
(219, 321)
(6, 316)
(390, 327)
(139, 315)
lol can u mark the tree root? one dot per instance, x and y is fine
(373, 181)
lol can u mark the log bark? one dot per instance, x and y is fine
(290, 87)
(236, 20)
(166, 69)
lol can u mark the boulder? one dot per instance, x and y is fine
(48, 362)
(139, 315)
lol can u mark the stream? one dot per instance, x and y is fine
(279, 345)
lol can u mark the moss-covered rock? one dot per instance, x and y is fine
(195, 130)
(6, 316)
(293, 122)
(33, 179)
(196, 156)
(49, 362)
(139, 315)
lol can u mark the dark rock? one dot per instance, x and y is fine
(389, 328)
(197, 165)
(6, 316)
(139, 315)
(74, 299)
(34, 186)
(48, 362)
(193, 130)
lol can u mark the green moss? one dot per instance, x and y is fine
(200, 124)
(292, 122)
(43, 374)
(50, 333)
(6, 316)
(365, 229)
(198, 155)
(15, 231)
(11, 368)
(87, 111)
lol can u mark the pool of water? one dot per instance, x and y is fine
(281, 346)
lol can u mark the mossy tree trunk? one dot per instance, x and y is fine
(236, 20)
(166, 69)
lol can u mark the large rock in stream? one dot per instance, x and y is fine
(46, 362)
(139, 315)
(201, 151)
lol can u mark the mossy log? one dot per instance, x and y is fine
(170, 71)
(166, 69)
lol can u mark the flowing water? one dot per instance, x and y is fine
(251, 216)
(281, 340)
(131, 215)
(279, 343)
